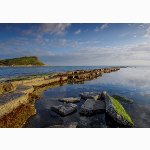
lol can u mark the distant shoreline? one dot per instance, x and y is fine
(24, 66)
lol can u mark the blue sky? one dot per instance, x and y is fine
(78, 44)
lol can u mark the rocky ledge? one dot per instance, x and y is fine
(95, 104)
(20, 91)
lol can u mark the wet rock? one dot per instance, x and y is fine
(64, 110)
(70, 100)
(91, 107)
(90, 95)
(68, 125)
(6, 87)
(122, 99)
(96, 121)
(116, 111)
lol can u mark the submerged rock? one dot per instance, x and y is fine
(64, 110)
(70, 100)
(91, 107)
(116, 111)
(89, 95)
(122, 99)
(68, 125)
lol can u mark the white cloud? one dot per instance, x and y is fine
(147, 34)
(47, 28)
(78, 31)
(124, 34)
(124, 55)
(54, 28)
(102, 27)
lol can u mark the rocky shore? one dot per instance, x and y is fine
(18, 92)
(101, 103)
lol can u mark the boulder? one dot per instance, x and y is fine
(123, 99)
(68, 125)
(116, 111)
(89, 95)
(70, 100)
(91, 107)
(64, 110)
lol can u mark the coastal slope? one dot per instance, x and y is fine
(22, 61)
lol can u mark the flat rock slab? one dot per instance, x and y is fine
(64, 110)
(91, 107)
(116, 111)
(70, 100)
(90, 95)
(69, 125)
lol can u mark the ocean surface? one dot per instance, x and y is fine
(132, 82)
(10, 72)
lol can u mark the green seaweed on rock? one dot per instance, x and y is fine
(120, 110)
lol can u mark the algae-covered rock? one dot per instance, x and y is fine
(116, 111)
(123, 99)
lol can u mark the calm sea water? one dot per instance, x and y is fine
(131, 82)
(9, 72)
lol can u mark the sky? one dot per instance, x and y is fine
(78, 44)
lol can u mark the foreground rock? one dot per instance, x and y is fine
(70, 100)
(68, 125)
(6, 87)
(64, 110)
(122, 99)
(89, 95)
(91, 107)
(12, 100)
(116, 111)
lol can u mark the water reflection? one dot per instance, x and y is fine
(131, 82)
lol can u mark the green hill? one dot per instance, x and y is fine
(22, 61)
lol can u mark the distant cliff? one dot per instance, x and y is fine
(22, 61)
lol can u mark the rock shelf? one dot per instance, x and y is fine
(20, 91)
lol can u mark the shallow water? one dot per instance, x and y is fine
(8, 72)
(130, 82)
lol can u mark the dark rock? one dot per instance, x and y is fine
(96, 121)
(116, 111)
(64, 110)
(122, 99)
(70, 100)
(91, 107)
(89, 95)
(68, 125)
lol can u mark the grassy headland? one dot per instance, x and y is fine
(22, 61)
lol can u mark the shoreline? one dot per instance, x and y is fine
(17, 92)
(23, 66)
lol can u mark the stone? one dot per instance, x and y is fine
(89, 95)
(6, 87)
(116, 111)
(64, 110)
(68, 125)
(70, 100)
(123, 99)
(91, 107)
